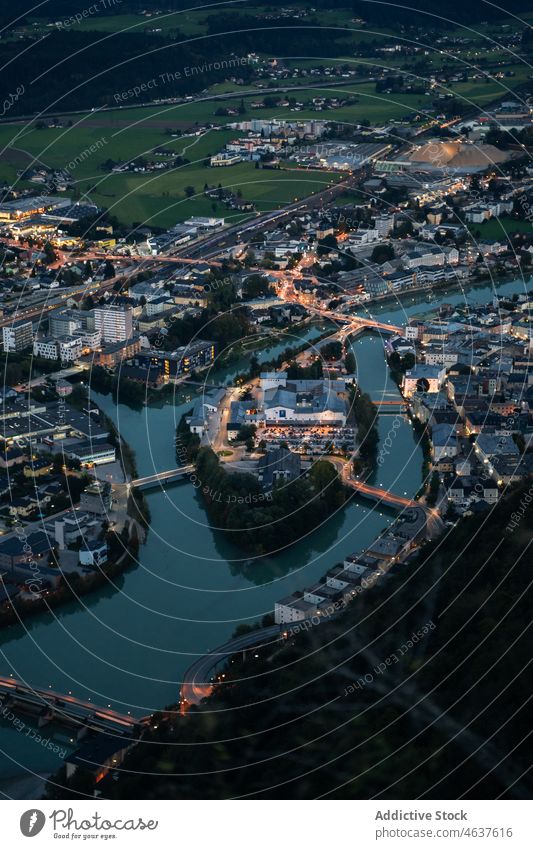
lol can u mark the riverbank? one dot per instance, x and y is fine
(74, 585)
(131, 648)
(429, 288)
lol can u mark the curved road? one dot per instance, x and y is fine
(197, 683)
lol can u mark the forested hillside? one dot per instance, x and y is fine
(421, 688)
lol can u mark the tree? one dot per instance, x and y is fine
(256, 286)
(331, 350)
(434, 485)
(246, 433)
(109, 270)
(382, 253)
(349, 363)
(189, 191)
(327, 244)
(50, 254)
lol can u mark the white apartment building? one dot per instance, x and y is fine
(115, 323)
(17, 336)
(67, 349)
(384, 224)
(90, 339)
(70, 349)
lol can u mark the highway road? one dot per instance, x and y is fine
(165, 104)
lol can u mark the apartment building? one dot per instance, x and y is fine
(17, 336)
(115, 323)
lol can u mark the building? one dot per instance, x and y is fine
(14, 552)
(17, 336)
(205, 406)
(196, 355)
(93, 553)
(279, 465)
(67, 348)
(117, 352)
(73, 526)
(115, 323)
(224, 159)
(63, 323)
(423, 378)
(92, 453)
(466, 490)
(294, 609)
(444, 441)
(272, 379)
(14, 210)
(11, 456)
(431, 256)
(37, 468)
(304, 402)
(204, 224)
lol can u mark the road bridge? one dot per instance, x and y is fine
(49, 706)
(382, 496)
(357, 322)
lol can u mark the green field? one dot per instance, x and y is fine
(129, 130)
(189, 23)
(156, 198)
(500, 228)
(159, 199)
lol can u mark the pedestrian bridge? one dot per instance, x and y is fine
(158, 478)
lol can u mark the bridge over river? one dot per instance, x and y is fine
(373, 492)
(382, 496)
(168, 476)
(49, 706)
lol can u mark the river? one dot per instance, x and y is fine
(129, 645)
